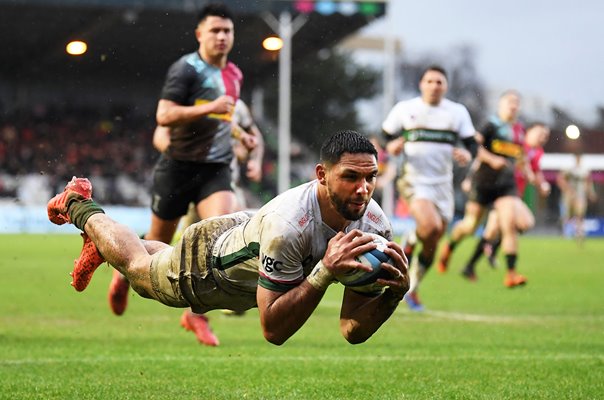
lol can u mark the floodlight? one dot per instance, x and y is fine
(76, 48)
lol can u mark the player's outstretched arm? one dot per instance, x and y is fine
(170, 113)
(361, 316)
(283, 313)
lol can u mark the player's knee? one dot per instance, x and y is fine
(430, 234)
(469, 223)
(526, 224)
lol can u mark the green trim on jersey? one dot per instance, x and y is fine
(252, 250)
(275, 287)
(430, 135)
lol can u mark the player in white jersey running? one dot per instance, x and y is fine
(281, 260)
(427, 130)
(577, 189)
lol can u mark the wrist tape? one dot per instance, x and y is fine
(320, 277)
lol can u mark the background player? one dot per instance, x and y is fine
(577, 189)
(197, 102)
(249, 149)
(536, 136)
(494, 184)
(426, 128)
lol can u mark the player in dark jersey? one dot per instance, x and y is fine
(528, 171)
(494, 184)
(197, 103)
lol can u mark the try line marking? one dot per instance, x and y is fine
(326, 358)
(485, 318)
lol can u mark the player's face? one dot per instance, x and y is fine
(215, 36)
(350, 184)
(509, 106)
(433, 87)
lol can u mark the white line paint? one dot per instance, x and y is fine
(327, 358)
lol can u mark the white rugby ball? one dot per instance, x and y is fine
(373, 258)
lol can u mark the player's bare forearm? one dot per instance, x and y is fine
(258, 152)
(170, 113)
(493, 160)
(282, 314)
(362, 316)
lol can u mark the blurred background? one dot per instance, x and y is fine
(92, 113)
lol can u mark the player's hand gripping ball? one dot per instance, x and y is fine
(364, 281)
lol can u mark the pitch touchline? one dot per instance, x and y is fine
(459, 316)
(230, 358)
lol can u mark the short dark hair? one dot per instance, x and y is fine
(435, 67)
(214, 10)
(346, 141)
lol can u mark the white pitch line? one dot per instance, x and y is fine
(330, 358)
(468, 317)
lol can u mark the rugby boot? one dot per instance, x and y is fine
(90, 259)
(512, 279)
(469, 274)
(412, 300)
(198, 324)
(78, 189)
(443, 262)
(118, 293)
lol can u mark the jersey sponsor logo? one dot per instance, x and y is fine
(270, 264)
(304, 220)
(224, 117)
(373, 217)
(507, 149)
(428, 135)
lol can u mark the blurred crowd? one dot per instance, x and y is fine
(42, 148)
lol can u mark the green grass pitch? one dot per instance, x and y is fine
(475, 341)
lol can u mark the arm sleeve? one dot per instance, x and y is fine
(387, 137)
(488, 132)
(470, 144)
(466, 127)
(280, 262)
(177, 82)
(392, 125)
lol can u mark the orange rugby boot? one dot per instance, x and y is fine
(198, 324)
(90, 259)
(78, 189)
(118, 293)
(512, 279)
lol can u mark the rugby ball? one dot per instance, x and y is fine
(373, 258)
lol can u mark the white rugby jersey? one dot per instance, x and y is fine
(430, 133)
(281, 243)
(242, 115)
(577, 178)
